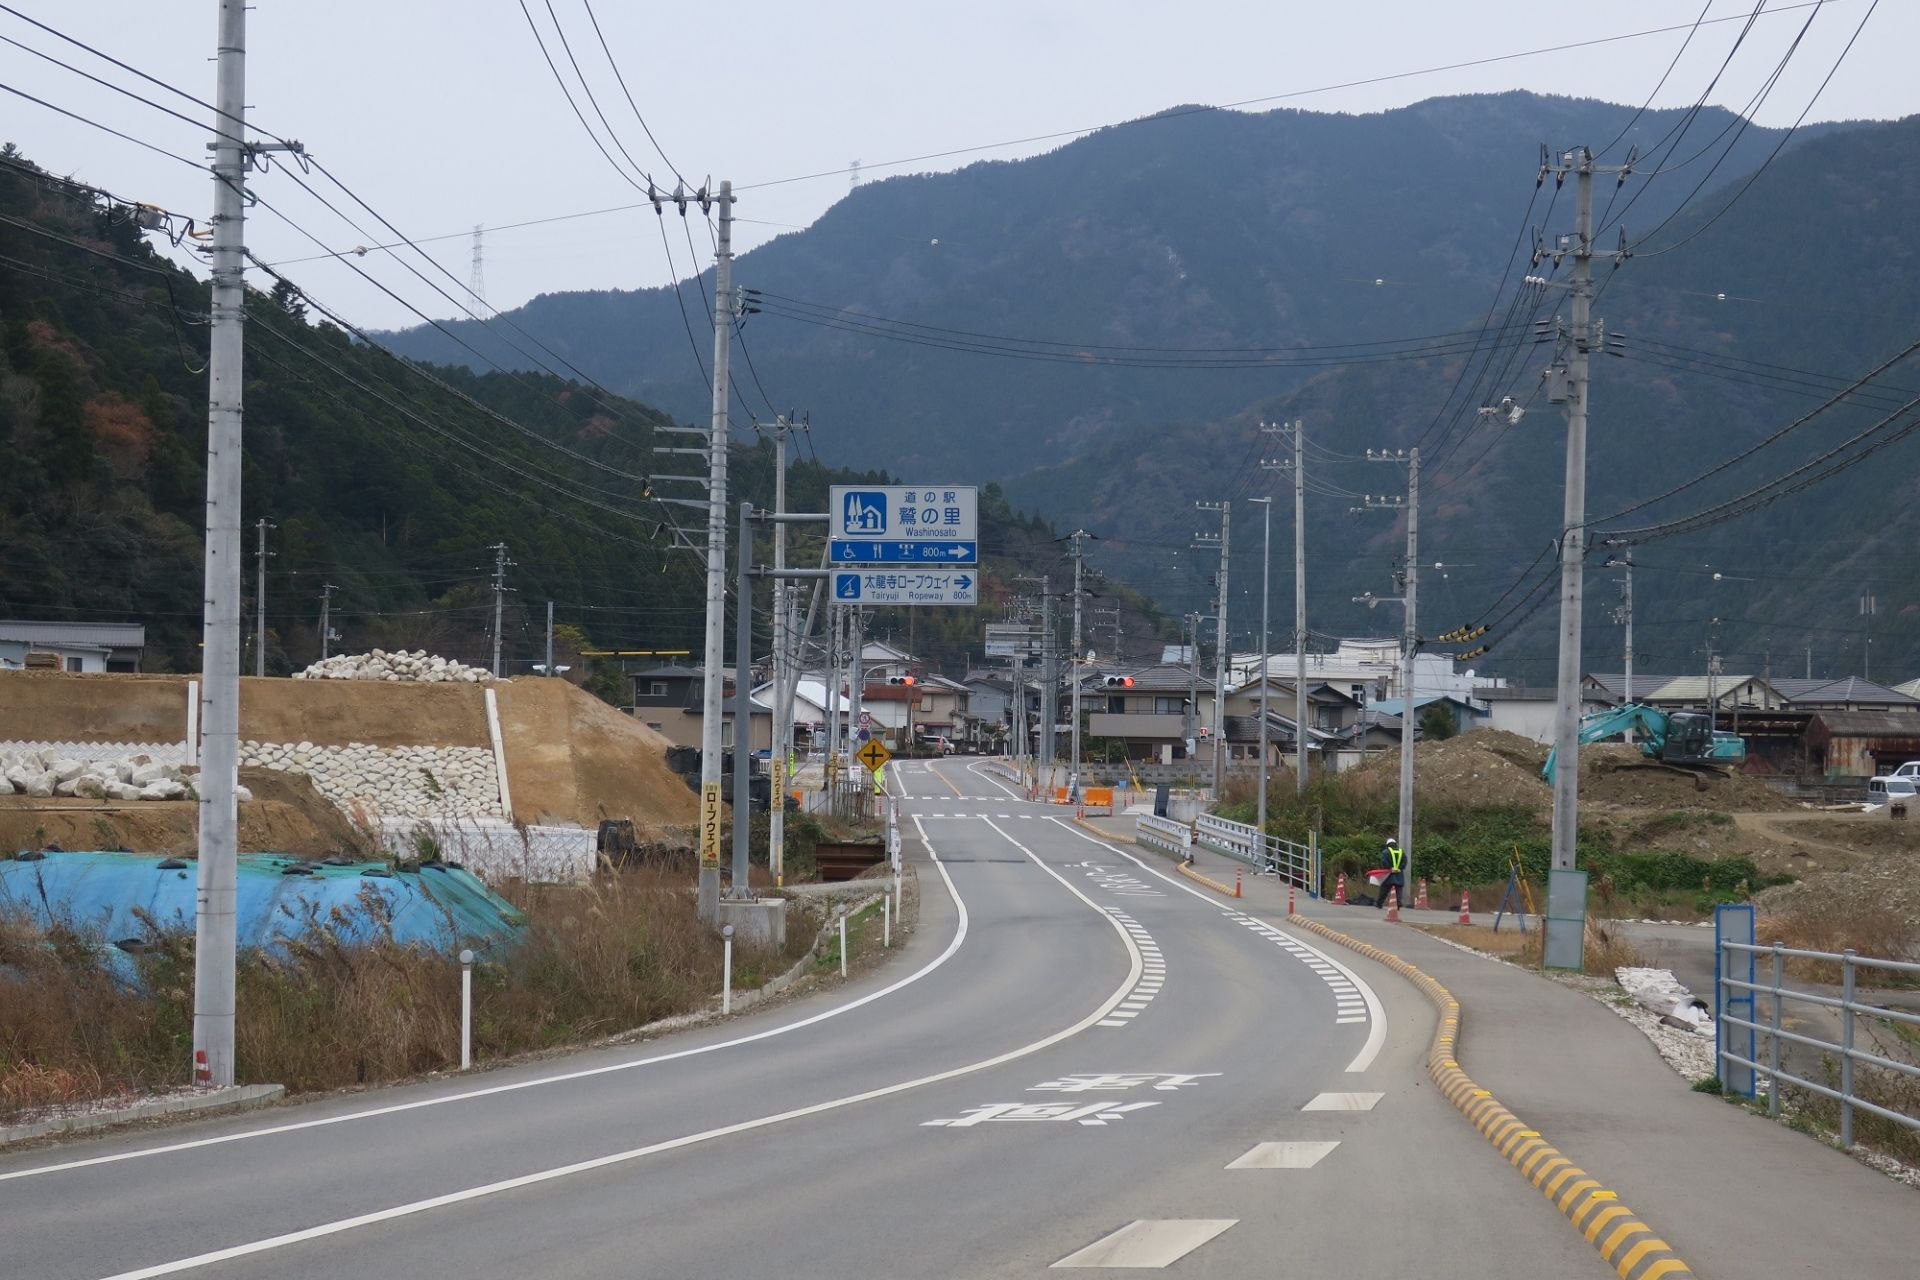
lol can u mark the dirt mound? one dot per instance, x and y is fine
(1485, 768)
(286, 816)
(573, 758)
(1615, 773)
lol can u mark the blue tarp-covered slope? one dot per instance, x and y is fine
(440, 906)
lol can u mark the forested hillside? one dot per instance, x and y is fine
(388, 482)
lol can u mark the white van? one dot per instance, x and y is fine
(1892, 789)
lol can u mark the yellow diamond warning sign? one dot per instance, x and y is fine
(873, 755)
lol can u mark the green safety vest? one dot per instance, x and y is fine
(1396, 859)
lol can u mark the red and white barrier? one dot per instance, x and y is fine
(1340, 889)
(1420, 898)
(1237, 873)
(1290, 910)
(1466, 909)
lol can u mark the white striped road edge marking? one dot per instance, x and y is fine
(1148, 1242)
(1347, 1003)
(1376, 1016)
(1344, 1102)
(974, 769)
(673, 1144)
(959, 937)
(1153, 975)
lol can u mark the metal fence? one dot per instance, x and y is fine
(1163, 834)
(1744, 985)
(1266, 854)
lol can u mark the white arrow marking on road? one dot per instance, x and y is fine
(325, 1229)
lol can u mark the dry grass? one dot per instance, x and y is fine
(1606, 950)
(595, 959)
(1819, 923)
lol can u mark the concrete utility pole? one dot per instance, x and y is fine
(1049, 677)
(856, 677)
(217, 888)
(500, 563)
(1266, 587)
(1409, 638)
(326, 619)
(1220, 639)
(260, 553)
(1581, 337)
(1193, 684)
(715, 650)
(829, 759)
(741, 889)
(1299, 468)
(549, 637)
(1078, 538)
(1624, 615)
(781, 748)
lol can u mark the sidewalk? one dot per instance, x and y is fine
(1737, 1195)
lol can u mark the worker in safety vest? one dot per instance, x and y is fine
(880, 781)
(1394, 859)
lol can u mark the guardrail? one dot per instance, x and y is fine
(1164, 834)
(1266, 854)
(1746, 993)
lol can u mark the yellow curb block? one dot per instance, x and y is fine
(1627, 1244)
(1212, 884)
(1104, 835)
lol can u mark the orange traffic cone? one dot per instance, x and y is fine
(1340, 889)
(1466, 910)
(1420, 898)
(1393, 906)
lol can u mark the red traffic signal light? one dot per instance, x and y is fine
(1118, 682)
(900, 680)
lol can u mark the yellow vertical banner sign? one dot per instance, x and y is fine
(710, 825)
(779, 780)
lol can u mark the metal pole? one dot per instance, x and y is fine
(499, 597)
(843, 940)
(886, 920)
(466, 1009)
(742, 703)
(1266, 588)
(1193, 684)
(1566, 774)
(1220, 646)
(260, 598)
(829, 759)
(216, 889)
(1628, 695)
(1847, 988)
(1299, 610)
(1409, 644)
(1049, 678)
(856, 676)
(549, 637)
(716, 622)
(781, 748)
(726, 970)
(1073, 664)
(326, 619)
(1773, 1040)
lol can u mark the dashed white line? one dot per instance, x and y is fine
(1148, 1242)
(1285, 1155)
(1344, 1102)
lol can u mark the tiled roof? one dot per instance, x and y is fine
(109, 635)
(1851, 689)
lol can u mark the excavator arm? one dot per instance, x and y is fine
(1650, 722)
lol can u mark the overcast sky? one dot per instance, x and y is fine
(443, 114)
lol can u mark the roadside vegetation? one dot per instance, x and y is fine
(78, 1025)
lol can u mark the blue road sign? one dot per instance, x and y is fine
(928, 553)
(908, 586)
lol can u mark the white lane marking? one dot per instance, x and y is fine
(1148, 1242)
(1284, 1155)
(974, 769)
(1152, 965)
(1343, 1102)
(959, 937)
(1376, 1015)
(673, 1144)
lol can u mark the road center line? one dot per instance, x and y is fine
(415, 1207)
(1377, 1016)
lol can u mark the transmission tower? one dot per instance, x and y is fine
(853, 175)
(478, 281)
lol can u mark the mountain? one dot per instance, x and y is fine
(387, 482)
(1292, 230)
(1190, 229)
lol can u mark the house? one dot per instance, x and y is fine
(1615, 691)
(668, 700)
(1726, 692)
(72, 646)
(1150, 717)
(1468, 713)
(1328, 706)
(1846, 746)
(1850, 693)
(1371, 733)
(941, 709)
(1367, 669)
(1530, 713)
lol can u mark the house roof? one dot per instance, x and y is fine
(1164, 679)
(1911, 688)
(1644, 682)
(1317, 690)
(669, 673)
(1691, 688)
(1869, 724)
(1854, 689)
(1391, 706)
(1511, 693)
(1247, 729)
(108, 635)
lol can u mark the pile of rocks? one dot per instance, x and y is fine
(391, 781)
(417, 665)
(45, 774)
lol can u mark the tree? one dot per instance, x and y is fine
(1437, 723)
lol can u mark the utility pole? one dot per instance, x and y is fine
(1220, 639)
(1869, 605)
(1266, 586)
(1625, 615)
(1299, 468)
(216, 889)
(1049, 674)
(549, 637)
(1571, 381)
(781, 748)
(856, 675)
(500, 563)
(1078, 537)
(1409, 638)
(260, 553)
(326, 619)
(829, 761)
(1809, 657)
(1193, 683)
(715, 651)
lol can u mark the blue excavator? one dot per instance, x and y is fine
(1682, 740)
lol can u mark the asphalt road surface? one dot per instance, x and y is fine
(1079, 1060)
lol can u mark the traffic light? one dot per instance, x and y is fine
(1117, 682)
(906, 680)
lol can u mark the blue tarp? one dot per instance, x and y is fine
(440, 905)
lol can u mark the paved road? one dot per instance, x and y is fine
(1062, 1067)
